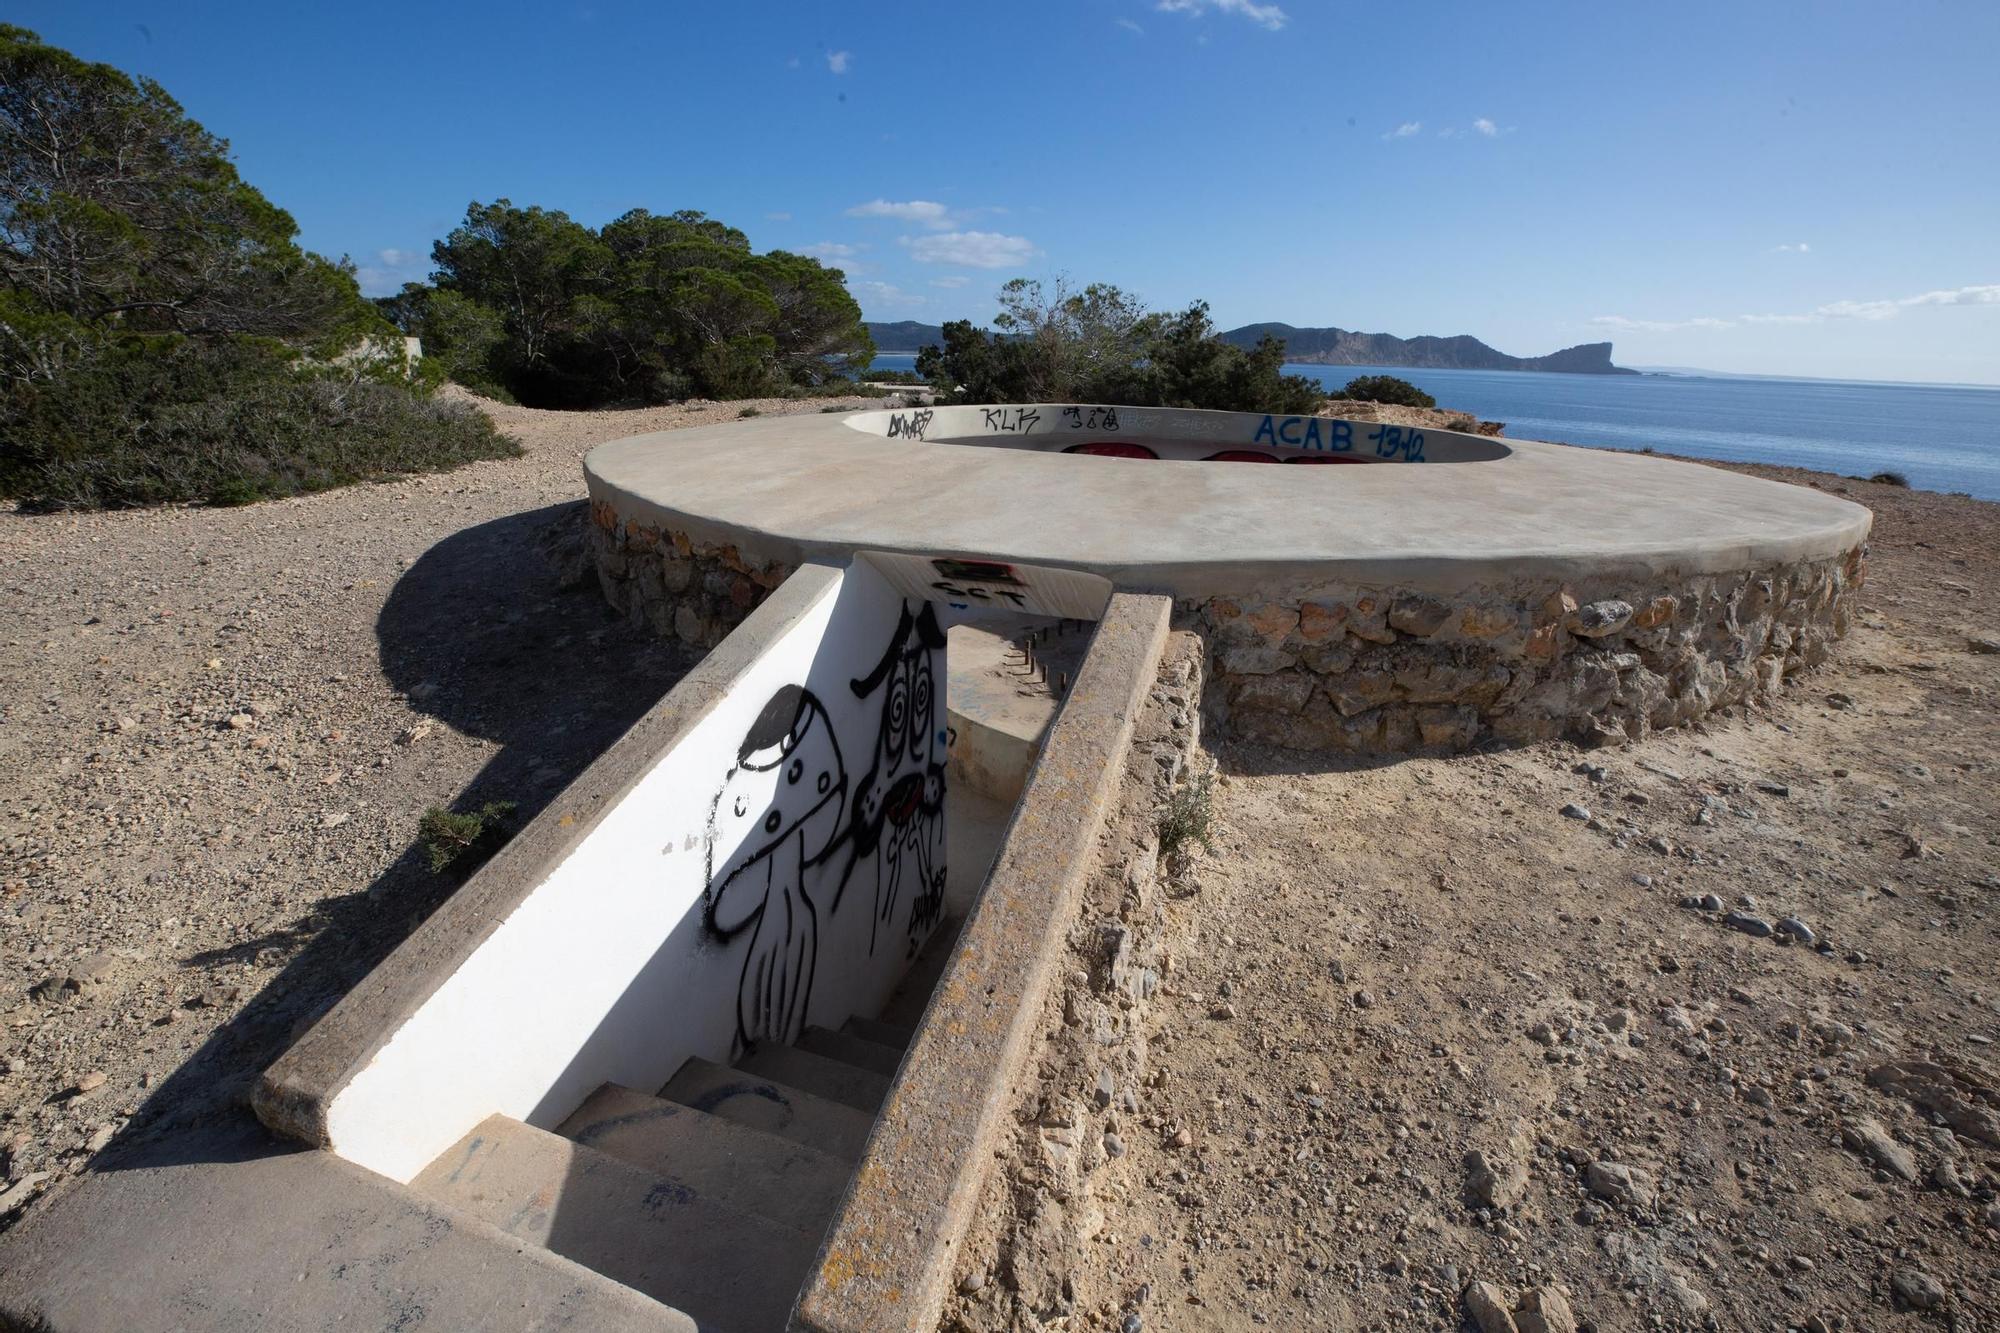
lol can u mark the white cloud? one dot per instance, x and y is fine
(923, 211)
(830, 250)
(388, 270)
(1871, 310)
(1129, 26)
(1800, 249)
(1406, 130)
(777, 217)
(879, 294)
(1486, 127)
(1264, 16)
(953, 281)
(837, 61)
(971, 249)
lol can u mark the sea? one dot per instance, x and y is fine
(1941, 437)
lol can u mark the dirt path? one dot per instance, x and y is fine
(1381, 968)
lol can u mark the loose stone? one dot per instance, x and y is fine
(1748, 924)
(1797, 929)
(1917, 1289)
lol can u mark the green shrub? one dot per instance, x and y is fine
(1100, 345)
(163, 337)
(465, 840)
(1386, 389)
(1188, 816)
(140, 421)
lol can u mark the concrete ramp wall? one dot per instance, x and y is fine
(765, 851)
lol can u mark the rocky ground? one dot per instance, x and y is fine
(1698, 1033)
(221, 727)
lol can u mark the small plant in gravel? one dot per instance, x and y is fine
(749, 412)
(1188, 816)
(465, 840)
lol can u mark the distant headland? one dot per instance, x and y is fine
(1341, 347)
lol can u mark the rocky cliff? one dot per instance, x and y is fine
(1340, 347)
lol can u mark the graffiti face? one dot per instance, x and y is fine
(899, 804)
(787, 807)
(780, 809)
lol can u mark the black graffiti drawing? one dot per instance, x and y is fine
(780, 807)
(1012, 420)
(978, 594)
(1092, 418)
(897, 820)
(909, 425)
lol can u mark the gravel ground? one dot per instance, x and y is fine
(1577, 964)
(220, 728)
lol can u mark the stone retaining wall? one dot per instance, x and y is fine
(695, 594)
(1386, 671)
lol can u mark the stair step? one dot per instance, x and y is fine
(776, 1108)
(835, 1080)
(727, 1269)
(853, 1050)
(759, 1173)
(875, 1030)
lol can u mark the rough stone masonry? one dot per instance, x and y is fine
(1387, 671)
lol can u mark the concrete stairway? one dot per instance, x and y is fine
(711, 1196)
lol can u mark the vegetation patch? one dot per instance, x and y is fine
(1188, 816)
(163, 337)
(1099, 345)
(530, 305)
(1388, 389)
(465, 841)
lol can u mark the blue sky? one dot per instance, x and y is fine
(1759, 186)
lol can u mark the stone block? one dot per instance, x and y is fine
(1418, 615)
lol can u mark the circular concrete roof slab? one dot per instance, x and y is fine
(1474, 511)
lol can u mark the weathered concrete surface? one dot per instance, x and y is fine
(1376, 608)
(779, 491)
(888, 1257)
(248, 1235)
(999, 711)
(727, 1268)
(294, 1094)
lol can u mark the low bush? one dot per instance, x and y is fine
(138, 421)
(1386, 389)
(465, 840)
(1189, 816)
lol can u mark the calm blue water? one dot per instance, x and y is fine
(1941, 438)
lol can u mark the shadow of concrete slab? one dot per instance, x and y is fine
(496, 632)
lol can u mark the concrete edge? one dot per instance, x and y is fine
(248, 1238)
(293, 1095)
(1531, 463)
(888, 1256)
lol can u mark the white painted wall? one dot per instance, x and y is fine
(707, 909)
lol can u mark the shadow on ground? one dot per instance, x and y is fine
(499, 632)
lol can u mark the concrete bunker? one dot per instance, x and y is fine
(1476, 590)
(793, 900)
